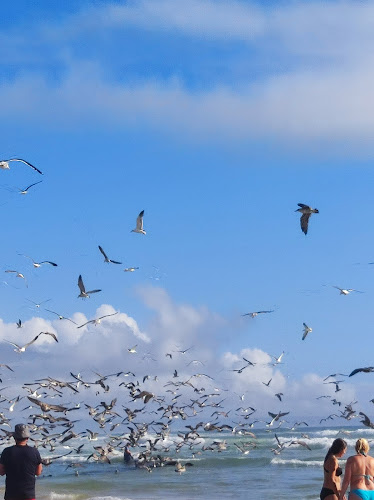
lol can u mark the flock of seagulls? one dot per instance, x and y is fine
(143, 412)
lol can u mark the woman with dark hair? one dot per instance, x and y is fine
(332, 471)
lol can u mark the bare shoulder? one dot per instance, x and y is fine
(331, 463)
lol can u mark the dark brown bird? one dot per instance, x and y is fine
(306, 211)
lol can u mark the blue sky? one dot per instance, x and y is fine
(216, 119)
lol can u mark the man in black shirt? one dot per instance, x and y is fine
(21, 463)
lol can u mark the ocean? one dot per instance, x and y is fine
(221, 465)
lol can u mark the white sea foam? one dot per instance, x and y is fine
(294, 461)
(109, 498)
(62, 496)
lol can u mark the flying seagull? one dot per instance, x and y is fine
(369, 369)
(106, 258)
(130, 269)
(38, 264)
(306, 212)
(4, 164)
(19, 349)
(60, 316)
(26, 190)
(132, 350)
(38, 304)
(97, 321)
(346, 291)
(18, 275)
(366, 420)
(307, 330)
(82, 289)
(139, 224)
(254, 314)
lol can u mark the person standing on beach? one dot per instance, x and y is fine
(359, 474)
(332, 471)
(20, 463)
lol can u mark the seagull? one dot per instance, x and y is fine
(82, 289)
(369, 369)
(26, 190)
(278, 359)
(97, 321)
(276, 416)
(139, 224)
(267, 383)
(242, 450)
(130, 269)
(254, 314)
(60, 316)
(38, 264)
(106, 258)
(19, 324)
(301, 443)
(307, 330)
(145, 395)
(366, 420)
(346, 291)
(4, 164)
(18, 275)
(132, 350)
(38, 304)
(306, 212)
(20, 349)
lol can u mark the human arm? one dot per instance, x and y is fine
(39, 467)
(2, 470)
(346, 480)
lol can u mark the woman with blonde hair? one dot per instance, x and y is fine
(359, 474)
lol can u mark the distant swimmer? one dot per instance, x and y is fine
(127, 456)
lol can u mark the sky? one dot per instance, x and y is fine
(216, 118)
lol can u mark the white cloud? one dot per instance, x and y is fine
(312, 106)
(321, 100)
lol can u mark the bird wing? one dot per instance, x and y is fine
(102, 251)
(35, 401)
(304, 220)
(12, 343)
(48, 262)
(86, 323)
(366, 370)
(27, 163)
(115, 262)
(31, 185)
(107, 315)
(93, 291)
(32, 341)
(81, 285)
(6, 366)
(139, 221)
(302, 205)
(50, 334)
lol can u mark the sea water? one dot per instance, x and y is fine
(295, 473)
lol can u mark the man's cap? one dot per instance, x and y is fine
(21, 431)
